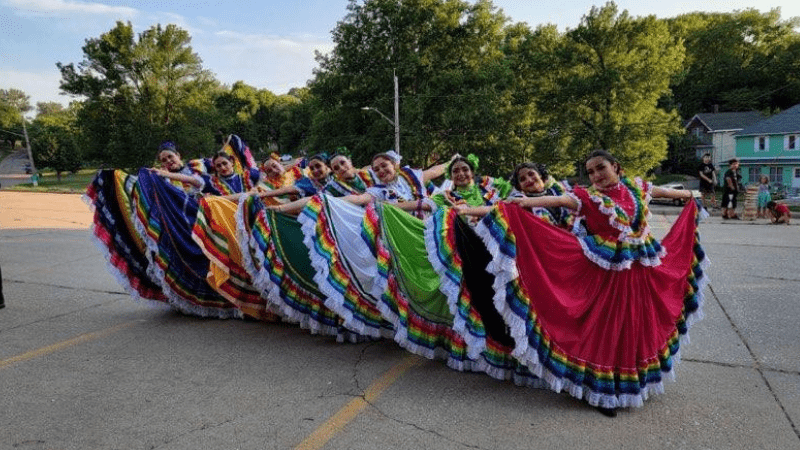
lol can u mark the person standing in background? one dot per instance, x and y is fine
(2, 299)
(708, 181)
(730, 190)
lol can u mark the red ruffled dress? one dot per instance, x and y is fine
(600, 314)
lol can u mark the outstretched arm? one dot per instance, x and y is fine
(296, 206)
(671, 193)
(286, 190)
(476, 211)
(188, 179)
(436, 171)
(293, 208)
(546, 201)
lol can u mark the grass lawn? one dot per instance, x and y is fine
(74, 183)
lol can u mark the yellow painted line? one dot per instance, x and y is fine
(64, 344)
(335, 424)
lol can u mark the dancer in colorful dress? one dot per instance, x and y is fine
(277, 260)
(600, 314)
(391, 289)
(460, 258)
(347, 180)
(319, 175)
(165, 218)
(531, 180)
(464, 187)
(225, 181)
(277, 176)
(110, 196)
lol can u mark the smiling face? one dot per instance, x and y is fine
(530, 182)
(602, 173)
(170, 160)
(273, 168)
(461, 174)
(223, 166)
(343, 168)
(318, 169)
(385, 169)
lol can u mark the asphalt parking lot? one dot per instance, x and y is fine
(84, 366)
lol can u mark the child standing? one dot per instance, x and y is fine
(764, 197)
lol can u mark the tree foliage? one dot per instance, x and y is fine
(738, 61)
(13, 103)
(139, 91)
(470, 81)
(602, 87)
(448, 60)
(55, 141)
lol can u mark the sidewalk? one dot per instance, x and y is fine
(12, 169)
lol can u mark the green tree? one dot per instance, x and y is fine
(745, 60)
(247, 112)
(55, 141)
(140, 91)
(45, 108)
(448, 57)
(13, 104)
(601, 88)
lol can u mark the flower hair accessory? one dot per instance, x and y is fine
(340, 151)
(472, 161)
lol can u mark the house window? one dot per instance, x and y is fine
(775, 175)
(753, 174)
(698, 132)
(791, 142)
(762, 144)
(797, 172)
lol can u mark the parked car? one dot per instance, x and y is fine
(675, 201)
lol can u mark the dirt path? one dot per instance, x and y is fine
(43, 210)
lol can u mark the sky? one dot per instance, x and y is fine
(268, 44)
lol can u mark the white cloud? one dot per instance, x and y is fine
(277, 63)
(44, 8)
(166, 18)
(40, 86)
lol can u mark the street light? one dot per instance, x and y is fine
(394, 123)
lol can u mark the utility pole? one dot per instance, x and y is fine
(396, 113)
(34, 175)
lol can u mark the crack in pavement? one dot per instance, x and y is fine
(58, 316)
(72, 288)
(742, 366)
(205, 426)
(760, 277)
(424, 430)
(363, 396)
(757, 363)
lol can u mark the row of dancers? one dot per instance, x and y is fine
(526, 279)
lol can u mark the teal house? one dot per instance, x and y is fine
(771, 147)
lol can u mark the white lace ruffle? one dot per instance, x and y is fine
(504, 270)
(157, 274)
